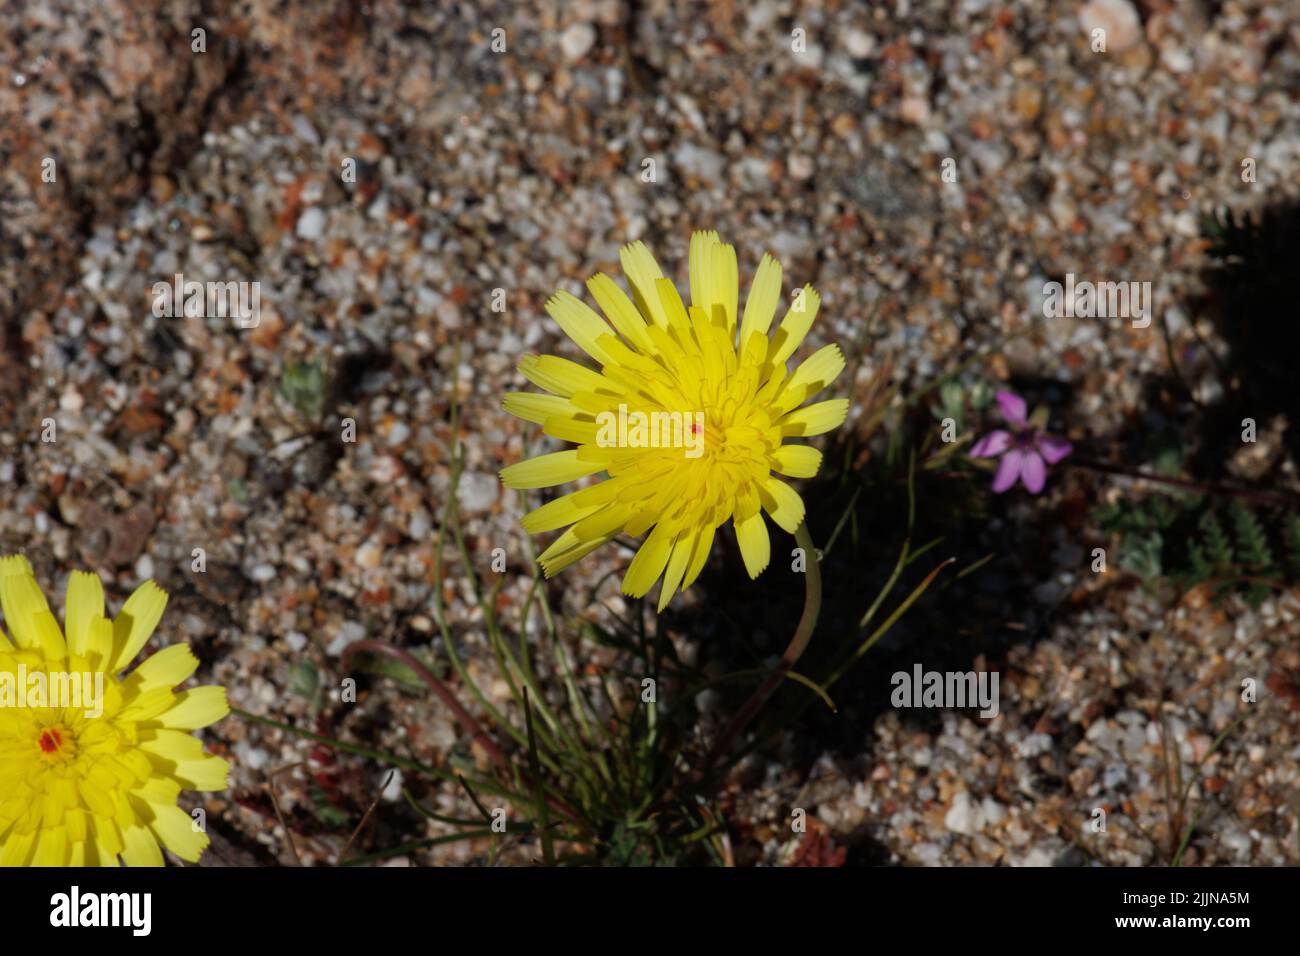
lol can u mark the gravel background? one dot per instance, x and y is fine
(522, 171)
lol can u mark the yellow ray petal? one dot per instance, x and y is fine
(565, 550)
(755, 545)
(99, 644)
(148, 705)
(560, 376)
(171, 745)
(701, 262)
(25, 609)
(17, 849)
(816, 419)
(649, 562)
(49, 638)
(580, 323)
(724, 278)
(207, 774)
(683, 548)
(560, 513)
(174, 830)
(140, 847)
(195, 709)
(51, 848)
(798, 320)
(536, 408)
(604, 523)
(673, 307)
(620, 311)
(699, 554)
(580, 431)
(82, 607)
(813, 374)
(641, 270)
(764, 293)
(135, 623)
(782, 502)
(167, 668)
(546, 470)
(797, 461)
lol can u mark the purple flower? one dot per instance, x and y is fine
(1025, 448)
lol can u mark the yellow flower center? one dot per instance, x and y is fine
(43, 743)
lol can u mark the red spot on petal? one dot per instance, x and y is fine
(51, 740)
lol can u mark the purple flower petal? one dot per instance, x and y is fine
(1033, 473)
(1053, 449)
(1013, 408)
(1008, 470)
(992, 444)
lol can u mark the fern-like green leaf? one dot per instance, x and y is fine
(1218, 549)
(1202, 570)
(1252, 540)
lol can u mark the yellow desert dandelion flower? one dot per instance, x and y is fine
(91, 760)
(688, 416)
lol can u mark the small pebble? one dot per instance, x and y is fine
(576, 40)
(1117, 17)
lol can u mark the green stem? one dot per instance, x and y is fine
(888, 623)
(812, 606)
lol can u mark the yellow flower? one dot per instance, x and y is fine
(91, 761)
(678, 478)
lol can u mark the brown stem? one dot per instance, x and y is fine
(1281, 498)
(463, 716)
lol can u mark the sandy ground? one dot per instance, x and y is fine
(817, 132)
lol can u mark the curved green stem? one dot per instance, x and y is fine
(812, 605)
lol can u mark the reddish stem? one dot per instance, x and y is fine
(444, 694)
(1282, 498)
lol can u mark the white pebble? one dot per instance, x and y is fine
(1117, 17)
(577, 40)
(393, 791)
(478, 491)
(311, 223)
(994, 812)
(860, 44)
(801, 166)
(963, 816)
